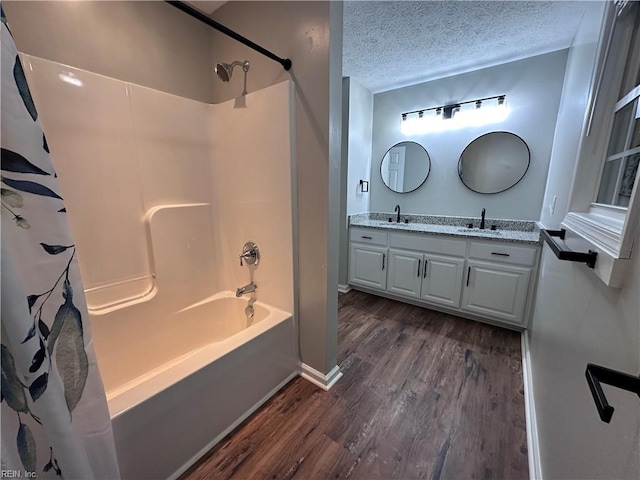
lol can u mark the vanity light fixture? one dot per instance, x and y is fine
(364, 186)
(455, 115)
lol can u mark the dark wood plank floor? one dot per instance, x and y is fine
(424, 395)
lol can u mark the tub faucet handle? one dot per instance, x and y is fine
(246, 256)
(250, 254)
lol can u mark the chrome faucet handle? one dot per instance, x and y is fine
(250, 253)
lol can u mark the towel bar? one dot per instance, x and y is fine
(588, 258)
(596, 374)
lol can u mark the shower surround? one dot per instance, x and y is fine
(162, 192)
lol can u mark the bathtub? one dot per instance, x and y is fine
(165, 420)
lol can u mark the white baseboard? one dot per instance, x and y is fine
(533, 447)
(323, 381)
(344, 288)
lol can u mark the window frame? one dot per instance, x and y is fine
(607, 229)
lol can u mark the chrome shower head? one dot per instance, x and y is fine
(224, 70)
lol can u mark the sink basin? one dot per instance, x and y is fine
(477, 230)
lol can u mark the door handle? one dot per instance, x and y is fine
(419, 260)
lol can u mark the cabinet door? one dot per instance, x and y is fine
(367, 266)
(496, 290)
(405, 273)
(442, 282)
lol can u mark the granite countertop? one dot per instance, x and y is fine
(506, 230)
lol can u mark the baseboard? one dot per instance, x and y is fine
(230, 428)
(533, 447)
(344, 288)
(323, 381)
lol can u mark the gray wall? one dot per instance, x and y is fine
(146, 43)
(359, 139)
(357, 124)
(303, 32)
(577, 319)
(533, 88)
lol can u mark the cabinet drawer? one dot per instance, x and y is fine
(423, 243)
(503, 252)
(364, 235)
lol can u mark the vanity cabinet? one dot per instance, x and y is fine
(496, 291)
(481, 279)
(435, 278)
(498, 280)
(368, 258)
(442, 280)
(404, 273)
(367, 266)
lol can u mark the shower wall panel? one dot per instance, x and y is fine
(121, 150)
(253, 158)
(89, 130)
(173, 138)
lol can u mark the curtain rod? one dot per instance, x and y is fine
(285, 62)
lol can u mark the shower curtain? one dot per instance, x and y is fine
(55, 421)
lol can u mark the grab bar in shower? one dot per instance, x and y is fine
(285, 62)
(588, 258)
(596, 374)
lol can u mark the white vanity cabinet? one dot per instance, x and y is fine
(497, 280)
(404, 276)
(482, 279)
(434, 278)
(496, 291)
(368, 258)
(442, 280)
(426, 267)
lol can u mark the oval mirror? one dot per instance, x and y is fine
(405, 167)
(494, 162)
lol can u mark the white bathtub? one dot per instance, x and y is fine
(166, 419)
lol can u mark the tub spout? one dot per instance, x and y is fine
(249, 288)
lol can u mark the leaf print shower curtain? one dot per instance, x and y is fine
(55, 421)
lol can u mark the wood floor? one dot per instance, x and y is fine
(424, 395)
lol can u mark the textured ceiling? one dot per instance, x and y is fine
(389, 44)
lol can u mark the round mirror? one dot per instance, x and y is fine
(405, 167)
(494, 162)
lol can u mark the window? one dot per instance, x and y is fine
(605, 205)
(621, 162)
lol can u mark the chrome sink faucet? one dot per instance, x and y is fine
(249, 288)
(397, 209)
(482, 219)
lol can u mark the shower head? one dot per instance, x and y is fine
(224, 70)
